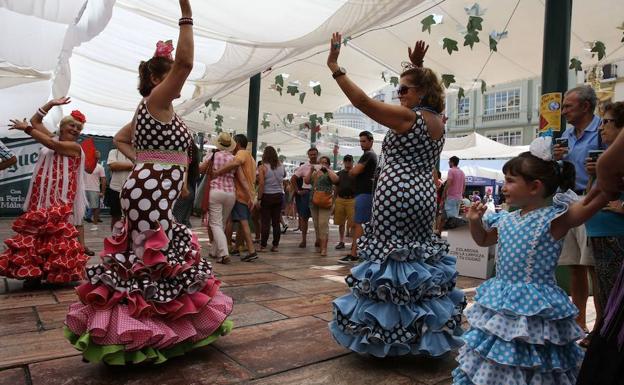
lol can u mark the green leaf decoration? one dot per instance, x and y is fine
(219, 121)
(279, 89)
(493, 44)
(576, 65)
(265, 115)
(313, 119)
(292, 90)
(346, 39)
(394, 80)
(278, 150)
(290, 118)
(263, 145)
(483, 86)
(317, 89)
(328, 116)
(598, 48)
(207, 102)
(279, 80)
(320, 120)
(383, 76)
(470, 38)
(474, 24)
(218, 130)
(215, 105)
(448, 79)
(427, 22)
(450, 45)
(460, 93)
(302, 97)
(265, 123)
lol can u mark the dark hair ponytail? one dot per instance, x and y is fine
(554, 175)
(157, 67)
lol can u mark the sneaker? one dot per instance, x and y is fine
(250, 257)
(340, 245)
(347, 260)
(284, 228)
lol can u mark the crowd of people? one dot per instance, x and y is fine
(153, 296)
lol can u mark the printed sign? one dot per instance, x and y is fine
(550, 112)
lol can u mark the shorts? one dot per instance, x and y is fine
(111, 200)
(240, 212)
(344, 210)
(576, 248)
(303, 205)
(363, 208)
(451, 207)
(93, 197)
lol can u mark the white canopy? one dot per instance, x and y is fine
(476, 146)
(90, 50)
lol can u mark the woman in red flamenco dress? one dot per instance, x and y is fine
(153, 297)
(46, 247)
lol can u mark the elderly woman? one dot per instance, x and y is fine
(403, 298)
(45, 246)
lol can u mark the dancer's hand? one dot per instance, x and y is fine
(417, 55)
(17, 124)
(334, 51)
(59, 101)
(476, 211)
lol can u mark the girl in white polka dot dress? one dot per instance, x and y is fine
(523, 328)
(153, 297)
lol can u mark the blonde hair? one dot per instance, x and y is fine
(70, 119)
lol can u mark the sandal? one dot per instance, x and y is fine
(224, 260)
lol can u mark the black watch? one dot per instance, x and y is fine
(339, 72)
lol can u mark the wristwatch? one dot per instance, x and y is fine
(339, 72)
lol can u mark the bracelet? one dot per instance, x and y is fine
(185, 20)
(28, 129)
(42, 112)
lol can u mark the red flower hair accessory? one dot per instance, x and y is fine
(79, 116)
(164, 49)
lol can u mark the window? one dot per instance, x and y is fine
(463, 107)
(510, 138)
(501, 101)
(357, 124)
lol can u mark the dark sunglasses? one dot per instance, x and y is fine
(402, 90)
(606, 121)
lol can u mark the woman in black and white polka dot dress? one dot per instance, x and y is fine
(403, 298)
(153, 296)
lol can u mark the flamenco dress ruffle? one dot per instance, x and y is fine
(403, 300)
(45, 247)
(148, 308)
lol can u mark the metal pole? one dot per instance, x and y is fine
(556, 48)
(253, 113)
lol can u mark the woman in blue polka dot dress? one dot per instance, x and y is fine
(403, 298)
(522, 324)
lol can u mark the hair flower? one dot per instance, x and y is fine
(164, 49)
(79, 116)
(541, 147)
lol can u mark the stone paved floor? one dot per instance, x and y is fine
(282, 303)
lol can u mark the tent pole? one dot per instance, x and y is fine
(556, 49)
(253, 113)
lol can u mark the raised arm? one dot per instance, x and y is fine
(159, 100)
(62, 147)
(480, 235)
(37, 119)
(417, 55)
(579, 212)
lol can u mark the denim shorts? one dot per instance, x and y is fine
(363, 208)
(240, 212)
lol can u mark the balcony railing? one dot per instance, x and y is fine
(512, 115)
(462, 121)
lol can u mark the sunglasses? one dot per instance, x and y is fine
(606, 121)
(403, 89)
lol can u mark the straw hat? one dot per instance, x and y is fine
(224, 142)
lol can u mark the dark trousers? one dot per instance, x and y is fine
(270, 213)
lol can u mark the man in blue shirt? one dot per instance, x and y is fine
(583, 136)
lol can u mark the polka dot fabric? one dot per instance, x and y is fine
(403, 298)
(152, 289)
(45, 246)
(523, 328)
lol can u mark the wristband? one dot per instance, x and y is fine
(185, 20)
(41, 111)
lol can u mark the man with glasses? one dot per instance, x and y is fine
(583, 136)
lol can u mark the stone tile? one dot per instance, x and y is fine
(430, 371)
(52, 316)
(347, 370)
(66, 295)
(16, 321)
(254, 293)
(316, 272)
(13, 377)
(250, 279)
(281, 345)
(26, 299)
(328, 316)
(297, 263)
(312, 286)
(300, 306)
(203, 366)
(468, 282)
(247, 314)
(238, 267)
(25, 348)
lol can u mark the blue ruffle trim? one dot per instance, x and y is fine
(377, 250)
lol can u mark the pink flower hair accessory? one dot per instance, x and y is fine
(164, 49)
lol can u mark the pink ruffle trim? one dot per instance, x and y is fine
(118, 325)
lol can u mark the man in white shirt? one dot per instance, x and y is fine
(120, 167)
(95, 185)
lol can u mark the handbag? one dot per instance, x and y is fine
(322, 199)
